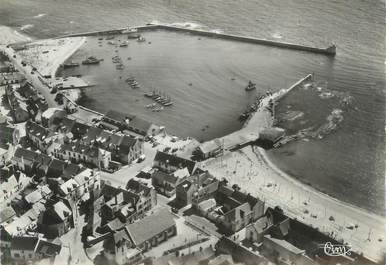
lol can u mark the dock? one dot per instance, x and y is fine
(70, 82)
(329, 51)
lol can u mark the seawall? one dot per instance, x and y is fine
(330, 51)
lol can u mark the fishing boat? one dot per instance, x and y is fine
(91, 60)
(250, 86)
(70, 64)
(124, 44)
(149, 94)
(141, 39)
(152, 105)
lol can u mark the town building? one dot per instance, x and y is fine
(127, 204)
(56, 220)
(24, 159)
(209, 149)
(126, 246)
(196, 188)
(31, 249)
(24, 101)
(80, 185)
(165, 183)
(38, 135)
(234, 210)
(50, 115)
(11, 185)
(170, 163)
(114, 120)
(78, 153)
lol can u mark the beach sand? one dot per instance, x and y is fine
(9, 35)
(47, 55)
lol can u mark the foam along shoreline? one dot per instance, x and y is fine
(9, 35)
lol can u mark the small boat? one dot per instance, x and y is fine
(149, 94)
(152, 105)
(250, 86)
(124, 44)
(100, 38)
(141, 39)
(110, 37)
(92, 60)
(70, 64)
(168, 103)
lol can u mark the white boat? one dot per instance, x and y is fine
(141, 39)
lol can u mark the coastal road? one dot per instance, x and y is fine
(32, 78)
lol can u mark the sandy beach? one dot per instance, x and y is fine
(251, 169)
(9, 35)
(47, 55)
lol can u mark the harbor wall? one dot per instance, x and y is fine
(330, 51)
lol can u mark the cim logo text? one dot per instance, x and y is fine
(336, 250)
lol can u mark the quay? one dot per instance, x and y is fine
(330, 51)
(261, 119)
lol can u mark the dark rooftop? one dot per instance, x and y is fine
(24, 243)
(175, 161)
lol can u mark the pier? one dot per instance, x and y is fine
(329, 51)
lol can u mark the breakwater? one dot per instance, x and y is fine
(330, 51)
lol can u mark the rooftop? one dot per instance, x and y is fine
(24, 243)
(175, 161)
(150, 226)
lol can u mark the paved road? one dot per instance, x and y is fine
(32, 78)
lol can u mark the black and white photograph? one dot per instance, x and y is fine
(192, 132)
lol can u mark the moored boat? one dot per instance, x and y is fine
(250, 86)
(124, 44)
(141, 39)
(91, 60)
(70, 64)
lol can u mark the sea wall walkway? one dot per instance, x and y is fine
(330, 51)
